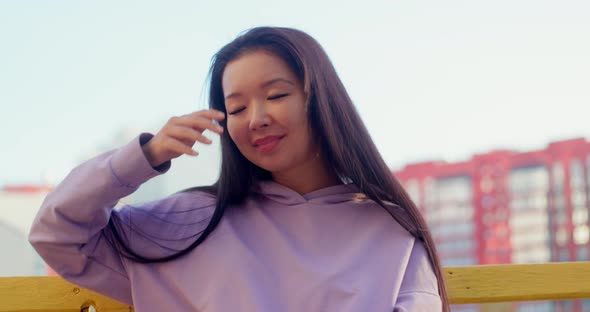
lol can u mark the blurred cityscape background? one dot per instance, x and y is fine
(480, 108)
(494, 208)
(509, 207)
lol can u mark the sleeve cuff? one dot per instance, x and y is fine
(130, 166)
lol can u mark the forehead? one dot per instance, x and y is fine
(253, 69)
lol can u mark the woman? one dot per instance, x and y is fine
(305, 215)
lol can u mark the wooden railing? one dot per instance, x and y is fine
(469, 284)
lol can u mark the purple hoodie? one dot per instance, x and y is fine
(329, 250)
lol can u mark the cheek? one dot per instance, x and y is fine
(297, 120)
(235, 132)
(231, 130)
(297, 112)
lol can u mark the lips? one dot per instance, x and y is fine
(267, 143)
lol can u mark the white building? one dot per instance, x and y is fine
(18, 207)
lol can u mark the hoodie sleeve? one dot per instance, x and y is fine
(67, 231)
(419, 289)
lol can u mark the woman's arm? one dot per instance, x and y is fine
(70, 230)
(419, 289)
(67, 231)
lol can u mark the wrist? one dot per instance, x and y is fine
(147, 152)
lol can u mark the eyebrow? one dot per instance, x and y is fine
(263, 85)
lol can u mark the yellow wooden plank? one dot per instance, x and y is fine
(51, 294)
(470, 284)
(518, 282)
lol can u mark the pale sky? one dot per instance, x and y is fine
(431, 79)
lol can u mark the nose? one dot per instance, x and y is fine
(259, 117)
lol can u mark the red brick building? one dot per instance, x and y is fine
(508, 207)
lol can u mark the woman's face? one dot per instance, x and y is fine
(266, 113)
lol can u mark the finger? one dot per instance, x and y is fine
(210, 114)
(199, 123)
(188, 143)
(187, 135)
(178, 148)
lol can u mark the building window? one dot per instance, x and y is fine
(576, 174)
(561, 237)
(560, 217)
(448, 201)
(458, 261)
(529, 218)
(463, 229)
(582, 254)
(580, 216)
(558, 177)
(578, 193)
(535, 307)
(564, 255)
(581, 235)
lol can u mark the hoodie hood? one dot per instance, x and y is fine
(328, 195)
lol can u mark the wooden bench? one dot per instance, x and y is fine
(466, 285)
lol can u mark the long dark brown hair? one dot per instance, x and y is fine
(345, 142)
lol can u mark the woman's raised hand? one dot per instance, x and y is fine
(179, 134)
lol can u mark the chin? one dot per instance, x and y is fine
(272, 165)
(270, 168)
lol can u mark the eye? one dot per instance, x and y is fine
(237, 111)
(278, 96)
